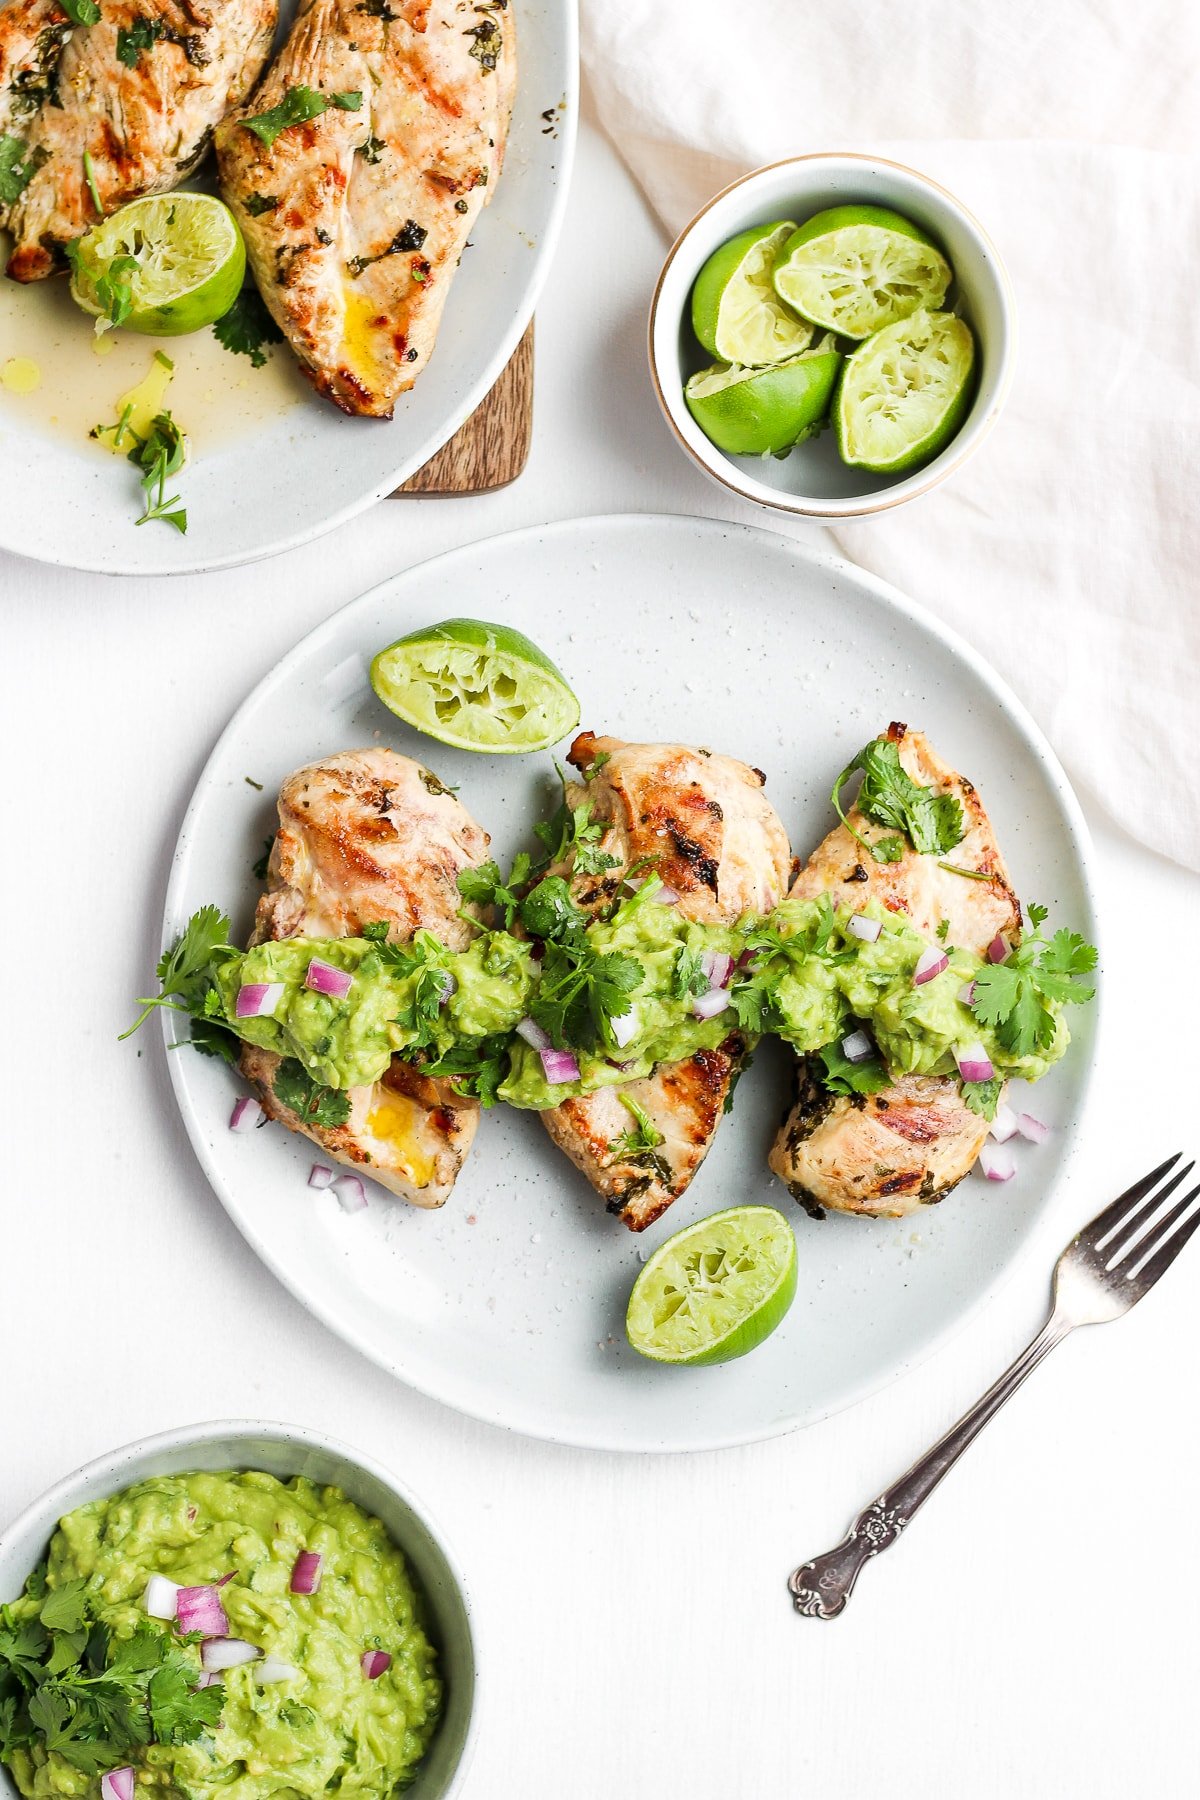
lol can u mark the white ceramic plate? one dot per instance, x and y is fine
(273, 465)
(509, 1303)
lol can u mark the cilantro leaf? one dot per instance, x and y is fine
(983, 1097)
(687, 976)
(65, 1608)
(841, 1076)
(484, 887)
(17, 169)
(159, 456)
(81, 12)
(247, 326)
(298, 106)
(888, 849)
(179, 1714)
(1018, 998)
(322, 1106)
(573, 830)
(549, 912)
(641, 1139)
(475, 1066)
(141, 35)
(932, 822)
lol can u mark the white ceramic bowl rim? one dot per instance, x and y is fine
(40, 1518)
(985, 408)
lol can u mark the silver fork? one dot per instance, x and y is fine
(1104, 1271)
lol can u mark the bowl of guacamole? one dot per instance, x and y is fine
(236, 1610)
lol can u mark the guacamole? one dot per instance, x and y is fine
(321, 1725)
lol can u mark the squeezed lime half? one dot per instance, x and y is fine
(163, 265)
(476, 686)
(905, 392)
(855, 269)
(715, 1290)
(736, 313)
(758, 412)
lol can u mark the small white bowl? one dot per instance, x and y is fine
(287, 1450)
(813, 480)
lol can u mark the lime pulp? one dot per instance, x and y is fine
(736, 313)
(715, 1290)
(476, 686)
(905, 392)
(177, 260)
(855, 269)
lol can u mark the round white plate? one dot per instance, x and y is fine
(509, 1303)
(273, 465)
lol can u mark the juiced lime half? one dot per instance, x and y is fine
(163, 265)
(736, 313)
(855, 269)
(476, 686)
(716, 1290)
(757, 412)
(905, 392)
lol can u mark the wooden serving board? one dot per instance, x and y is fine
(491, 449)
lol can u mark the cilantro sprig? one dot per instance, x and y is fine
(573, 829)
(641, 1139)
(68, 1685)
(1016, 998)
(187, 973)
(159, 455)
(932, 822)
(298, 106)
(295, 1088)
(247, 327)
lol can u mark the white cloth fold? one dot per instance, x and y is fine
(1067, 549)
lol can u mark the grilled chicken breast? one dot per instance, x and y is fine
(719, 843)
(143, 119)
(888, 1154)
(363, 836)
(355, 220)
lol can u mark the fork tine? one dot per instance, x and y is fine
(1107, 1221)
(1170, 1246)
(1119, 1244)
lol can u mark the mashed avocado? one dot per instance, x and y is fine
(328, 1728)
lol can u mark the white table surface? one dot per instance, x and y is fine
(1034, 1635)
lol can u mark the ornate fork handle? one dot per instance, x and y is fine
(821, 1588)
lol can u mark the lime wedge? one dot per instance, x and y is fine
(164, 265)
(855, 269)
(736, 313)
(759, 412)
(476, 686)
(904, 393)
(715, 1290)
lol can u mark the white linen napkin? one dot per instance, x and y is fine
(1067, 549)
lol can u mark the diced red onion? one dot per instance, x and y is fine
(666, 895)
(746, 959)
(350, 1193)
(966, 994)
(200, 1609)
(449, 986)
(117, 1784)
(160, 1597)
(866, 929)
(857, 1047)
(717, 967)
(1004, 1125)
(1033, 1129)
(997, 950)
(319, 1176)
(974, 1063)
(534, 1036)
(931, 962)
(997, 1164)
(707, 1006)
(624, 1028)
(306, 1572)
(613, 1064)
(223, 1579)
(258, 999)
(323, 978)
(374, 1662)
(207, 1678)
(559, 1065)
(246, 1114)
(272, 1668)
(227, 1653)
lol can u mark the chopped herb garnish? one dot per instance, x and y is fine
(258, 204)
(247, 327)
(574, 830)
(143, 34)
(983, 1097)
(160, 456)
(841, 1076)
(89, 176)
(372, 149)
(17, 168)
(932, 822)
(968, 874)
(483, 887)
(295, 1088)
(298, 106)
(81, 12)
(486, 43)
(259, 867)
